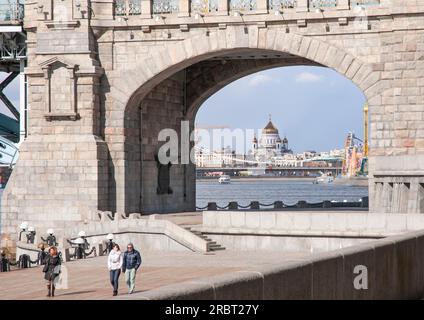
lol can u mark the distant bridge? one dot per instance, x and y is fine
(285, 171)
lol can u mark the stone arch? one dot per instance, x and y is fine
(174, 57)
(156, 68)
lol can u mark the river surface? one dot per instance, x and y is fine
(269, 190)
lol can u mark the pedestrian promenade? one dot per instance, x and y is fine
(89, 279)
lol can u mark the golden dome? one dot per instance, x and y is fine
(270, 128)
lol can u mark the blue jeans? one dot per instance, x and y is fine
(114, 278)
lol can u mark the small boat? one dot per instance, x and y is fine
(324, 178)
(224, 179)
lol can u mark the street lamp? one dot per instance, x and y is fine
(23, 227)
(110, 243)
(31, 235)
(79, 250)
(51, 239)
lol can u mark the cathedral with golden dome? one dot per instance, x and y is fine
(270, 144)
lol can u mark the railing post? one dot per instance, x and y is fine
(223, 7)
(343, 5)
(302, 6)
(262, 6)
(184, 8)
(146, 9)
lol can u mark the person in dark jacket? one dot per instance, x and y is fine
(51, 270)
(130, 265)
(42, 254)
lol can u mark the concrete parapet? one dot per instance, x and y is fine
(390, 268)
(343, 223)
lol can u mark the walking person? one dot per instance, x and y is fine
(114, 264)
(132, 261)
(51, 270)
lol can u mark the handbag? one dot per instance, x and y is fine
(56, 269)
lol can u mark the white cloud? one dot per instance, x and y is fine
(258, 80)
(308, 77)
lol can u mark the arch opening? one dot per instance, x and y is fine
(171, 101)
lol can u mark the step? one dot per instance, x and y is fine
(214, 246)
(217, 248)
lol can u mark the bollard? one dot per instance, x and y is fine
(254, 205)
(364, 202)
(67, 255)
(278, 205)
(302, 204)
(326, 204)
(233, 205)
(212, 206)
(100, 248)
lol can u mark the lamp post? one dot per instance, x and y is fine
(51, 239)
(110, 244)
(23, 227)
(79, 250)
(83, 236)
(4, 262)
(31, 235)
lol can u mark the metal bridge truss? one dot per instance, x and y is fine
(12, 61)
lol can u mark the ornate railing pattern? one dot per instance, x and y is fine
(243, 5)
(165, 6)
(282, 4)
(11, 11)
(322, 3)
(133, 7)
(204, 6)
(364, 3)
(256, 205)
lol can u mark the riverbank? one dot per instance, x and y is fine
(354, 181)
(261, 178)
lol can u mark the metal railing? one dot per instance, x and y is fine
(204, 7)
(127, 7)
(165, 6)
(276, 205)
(12, 11)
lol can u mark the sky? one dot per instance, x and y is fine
(314, 107)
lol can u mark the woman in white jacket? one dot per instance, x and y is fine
(114, 264)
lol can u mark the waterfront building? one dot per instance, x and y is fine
(270, 145)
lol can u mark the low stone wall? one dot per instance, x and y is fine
(252, 242)
(394, 267)
(311, 223)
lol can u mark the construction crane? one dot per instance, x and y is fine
(356, 154)
(366, 130)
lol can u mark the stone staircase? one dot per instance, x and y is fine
(212, 245)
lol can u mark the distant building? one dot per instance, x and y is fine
(270, 145)
(215, 159)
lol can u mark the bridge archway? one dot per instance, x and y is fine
(170, 86)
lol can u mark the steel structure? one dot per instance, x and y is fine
(12, 61)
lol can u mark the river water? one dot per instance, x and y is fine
(269, 190)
